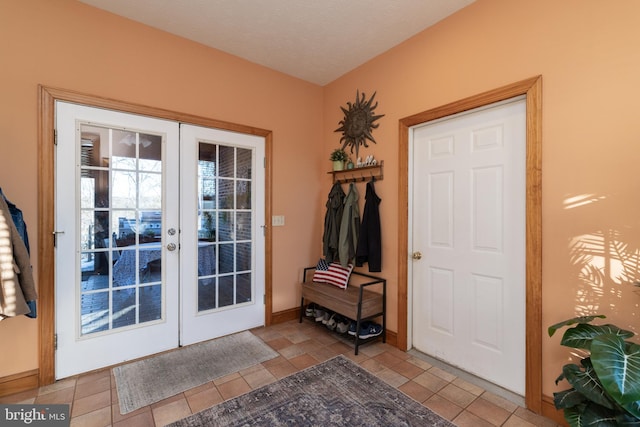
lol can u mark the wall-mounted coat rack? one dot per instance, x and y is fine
(364, 173)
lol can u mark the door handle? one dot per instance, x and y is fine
(171, 246)
(416, 255)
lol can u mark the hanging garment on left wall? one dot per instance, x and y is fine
(17, 286)
(18, 220)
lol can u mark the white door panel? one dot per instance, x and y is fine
(468, 220)
(111, 173)
(222, 233)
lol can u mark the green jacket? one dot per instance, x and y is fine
(349, 227)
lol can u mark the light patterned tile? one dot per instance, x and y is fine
(471, 388)
(441, 373)
(144, 419)
(204, 399)
(443, 407)
(171, 412)
(457, 395)
(407, 369)
(489, 411)
(430, 381)
(516, 421)
(415, 391)
(91, 403)
(233, 388)
(467, 419)
(392, 377)
(259, 378)
(499, 401)
(99, 418)
(535, 419)
(420, 363)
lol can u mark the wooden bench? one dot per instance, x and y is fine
(356, 302)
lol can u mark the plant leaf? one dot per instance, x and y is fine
(633, 408)
(568, 399)
(627, 420)
(581, 319)
(582, 335)
(590, 415)
(586, 382)
(617, 364)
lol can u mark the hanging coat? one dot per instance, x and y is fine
(18, 220)
(332, 219)
(16, 279)
(370, 242)
(349, 227)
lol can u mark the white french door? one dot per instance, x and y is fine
(222, 233)
(468, 239)
(152, 254)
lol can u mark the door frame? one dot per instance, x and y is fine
(47, 96)
(532, 88)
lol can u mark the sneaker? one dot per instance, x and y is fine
(310, 311)
(352, 328)
(369, 330)
(326, 317)
(342, 326)
(319, 314)
(331, 323)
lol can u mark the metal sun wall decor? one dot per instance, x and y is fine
(358, 123)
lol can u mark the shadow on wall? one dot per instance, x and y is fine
(606, 260)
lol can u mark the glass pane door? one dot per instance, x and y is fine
(223, 242)
(116, 283)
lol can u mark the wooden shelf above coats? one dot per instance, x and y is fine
(360, 174)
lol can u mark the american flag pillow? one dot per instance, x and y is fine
(332, 273)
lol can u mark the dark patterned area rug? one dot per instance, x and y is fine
(337, 392)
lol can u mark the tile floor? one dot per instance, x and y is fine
(94, 401)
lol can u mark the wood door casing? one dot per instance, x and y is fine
(47, 96)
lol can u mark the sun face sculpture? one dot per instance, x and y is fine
(358, 123)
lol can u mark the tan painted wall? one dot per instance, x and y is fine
(589, 57)
(586, 51)
(66, 44)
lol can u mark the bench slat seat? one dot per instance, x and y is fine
(357, 302)
(343, 301)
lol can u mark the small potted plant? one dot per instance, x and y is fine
(338, 157)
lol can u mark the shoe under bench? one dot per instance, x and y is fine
(359, 301)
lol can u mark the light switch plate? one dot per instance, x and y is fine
(277, 220)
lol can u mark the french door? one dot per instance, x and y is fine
(157, 237)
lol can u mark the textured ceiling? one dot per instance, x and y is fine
(314, 40)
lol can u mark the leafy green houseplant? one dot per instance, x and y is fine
(338, 157)
(606, 385)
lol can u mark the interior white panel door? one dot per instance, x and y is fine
(467, 218)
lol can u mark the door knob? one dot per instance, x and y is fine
(171, 246)
(417, 255)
